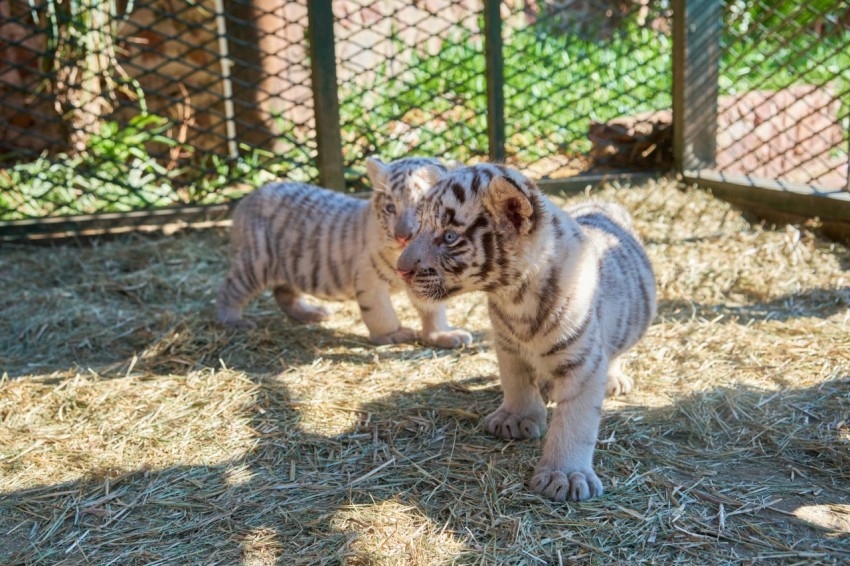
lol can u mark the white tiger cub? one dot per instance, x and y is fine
(568, 292)
(301, 239)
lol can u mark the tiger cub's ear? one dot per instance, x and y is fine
(378, 173)
(430, 174)
(509, 205)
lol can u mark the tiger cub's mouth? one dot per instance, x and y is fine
(427, 287)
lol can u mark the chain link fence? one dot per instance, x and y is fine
(150, 104)
(114, 109)
(765, 105)
(783, 106)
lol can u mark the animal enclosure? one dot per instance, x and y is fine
(134, 429)
(121, 114)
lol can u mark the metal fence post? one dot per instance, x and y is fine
(696, 58)
(495, 80)
(325, 96)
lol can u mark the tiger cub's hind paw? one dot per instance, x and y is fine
(448, 339)
(618, 382)
(399, 336)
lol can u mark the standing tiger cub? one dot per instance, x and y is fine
(568, 292)
(301, 239)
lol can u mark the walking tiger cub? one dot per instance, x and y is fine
(301, 239)
(568, 292)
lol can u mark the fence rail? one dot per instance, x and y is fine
(115, 112)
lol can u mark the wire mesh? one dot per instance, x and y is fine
(174, 102)
(784, 86)
(412, 80)
(573, 66)
(109, 106)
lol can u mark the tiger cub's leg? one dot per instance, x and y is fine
(237, 289)
(294, 305)
(373, 297)
(523, 412)
(435, 327)
(565, 470)
(618, 382)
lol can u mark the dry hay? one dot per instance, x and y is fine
(135, 430)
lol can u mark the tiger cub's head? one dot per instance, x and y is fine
(398, 188)
(476, 226)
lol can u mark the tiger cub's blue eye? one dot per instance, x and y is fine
(450, 237)
(390, 208)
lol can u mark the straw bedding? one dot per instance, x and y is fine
(133, 429)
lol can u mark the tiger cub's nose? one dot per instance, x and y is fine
(402, 240)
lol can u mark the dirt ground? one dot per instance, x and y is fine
(133, 429)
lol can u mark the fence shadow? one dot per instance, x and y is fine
(817, 303)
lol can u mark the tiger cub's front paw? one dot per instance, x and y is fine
(448, 339)
(399, 336)
(565, 485)
(509, 425)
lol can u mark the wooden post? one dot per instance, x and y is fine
(250, 72)
(495, 80)
(696, 56)
(325, 94)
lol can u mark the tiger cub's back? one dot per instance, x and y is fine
(303, 235)
(627, 297)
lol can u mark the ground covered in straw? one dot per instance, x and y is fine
(133, 429)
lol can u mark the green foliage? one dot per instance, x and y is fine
(115, 174)
(778, 18)
(437, 106)
(780, 47)
(556, 84)
(554, 87)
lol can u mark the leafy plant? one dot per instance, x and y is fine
(115, 173)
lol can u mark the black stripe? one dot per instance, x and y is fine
(505, 344)
(556, 223)
(520, 293)
(302, 214)
(270, 254)
(339, 220)
(445, 292)
(448, 216)
(494, 309)
(475, 184)
(380, 275)
(459, 193)
(570, 365)
(239, 277)
(479, 222)
(387, 263)
(571, 339)
(546, 299)
(249, 268)
(487, 245)
(627, 265)
(555, 321)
